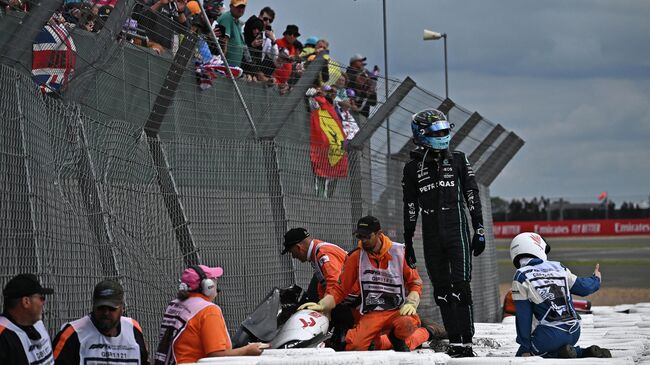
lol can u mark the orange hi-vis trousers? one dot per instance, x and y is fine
(376, 323)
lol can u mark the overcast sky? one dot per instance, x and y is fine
(569, 77)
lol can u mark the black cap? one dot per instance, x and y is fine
(108, 293)
(24, 285)
(293, 237)
(367, 225)
(292, 29)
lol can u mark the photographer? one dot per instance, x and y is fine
(164, 20)
(269, 46)
(253, 36)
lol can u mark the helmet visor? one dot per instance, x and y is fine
(437, 129)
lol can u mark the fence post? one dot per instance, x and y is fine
(98, 215)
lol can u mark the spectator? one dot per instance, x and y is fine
(350, 126)
(288, 53)
(253, 36)
(269, 46)
(233, 45)
(23, 337)
(366, 93)
(14, 5)
(193, 326)
(333, 68)
(356, 67)
(77, 341)
(379, 272)
(102, 15)
(309, 48)
(542, 291)
(213, 9)
(164, 20)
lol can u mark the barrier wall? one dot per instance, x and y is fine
(575, 228)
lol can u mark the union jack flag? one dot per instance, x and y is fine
(53, 58)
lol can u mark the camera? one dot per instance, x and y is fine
(268, 27)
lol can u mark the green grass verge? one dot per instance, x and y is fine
(595, 246)
(603, 263)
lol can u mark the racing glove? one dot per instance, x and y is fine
(325, 305)
(410, 307)
(410, 252)
(478, 241)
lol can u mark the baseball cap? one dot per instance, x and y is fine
(367, 225)
(194, 7)
(192, 278)
(293, 237)
(238, 2)
(311, 40)
(358, 57)
(108, 293)
(24, 285)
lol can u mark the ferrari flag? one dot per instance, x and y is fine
(328, 158)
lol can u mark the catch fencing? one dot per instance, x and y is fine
(133, 172)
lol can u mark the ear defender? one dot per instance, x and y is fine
(207, 286)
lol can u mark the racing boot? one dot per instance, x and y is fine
(596, 351)
(398, 345)
(567, 352)
(460, 351)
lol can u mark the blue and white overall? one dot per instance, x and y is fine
(546, 319)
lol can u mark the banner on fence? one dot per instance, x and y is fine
(575, 228)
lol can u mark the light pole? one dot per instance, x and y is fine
(434, 36)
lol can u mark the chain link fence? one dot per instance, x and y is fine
(133, 172)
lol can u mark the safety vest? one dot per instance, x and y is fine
(382, 289)
(549, 280)
(177, 314)
(94, 347)
(37, 351)
(316, 246)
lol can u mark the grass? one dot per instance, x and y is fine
(595, 246)
(603, 262)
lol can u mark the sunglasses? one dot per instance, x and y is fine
(267, 19)
(362, 236)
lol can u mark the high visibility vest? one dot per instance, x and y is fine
(177, 314)
(550, 281)
(37, 351)
(317, 245)
(382, 289)
(94, 347)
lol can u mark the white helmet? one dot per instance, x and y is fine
(528, 244)
(305, 328)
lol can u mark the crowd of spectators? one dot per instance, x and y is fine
(540, 209)
(253, 47)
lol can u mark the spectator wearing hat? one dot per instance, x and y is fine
(23, 337)
(193, 326)
(77, 341)
(309, 47)
(287, 54)
(356, 67)
(389, 290)
(233, 44)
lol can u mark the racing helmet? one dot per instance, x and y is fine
(528, 244)
(431, 129)
(305, 328)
